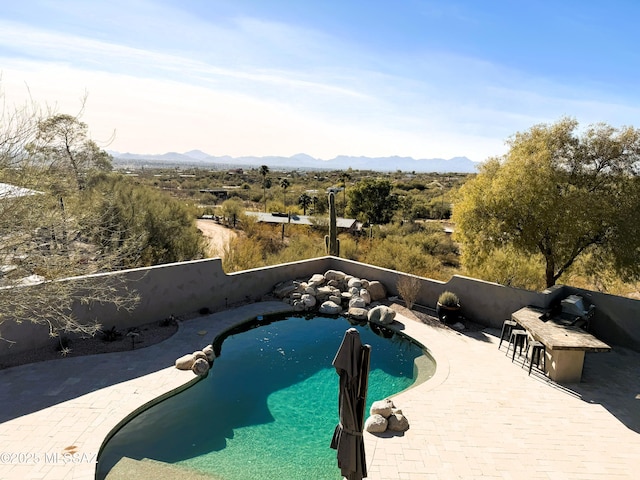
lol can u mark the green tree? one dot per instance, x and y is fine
(232, 209)
(284, 184)
(62, 142)
(371, 200)
(304, 201)
(559, 196)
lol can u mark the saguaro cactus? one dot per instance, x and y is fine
(331, 242)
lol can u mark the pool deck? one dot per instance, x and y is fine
(480, 416)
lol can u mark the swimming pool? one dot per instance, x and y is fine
(269, 405)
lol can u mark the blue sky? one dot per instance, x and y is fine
(247, 77)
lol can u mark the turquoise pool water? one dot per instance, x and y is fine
(269, 405)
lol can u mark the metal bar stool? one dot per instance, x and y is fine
(518, 338)
(507, 327)
(539, 352)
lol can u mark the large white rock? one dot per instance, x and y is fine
(334, 275)
(364, 294)
(208, 351)
(355, 282)
(316, 280)
(358, 313)
(200, 367)
(336, 299)
(357, 302)
(397, 422)
(382, 407)
(375, 424)
(308, 300)
(377, 291)
(382, 315)
(199, 354)
(185, 362)
(324, 292)
(330, 308)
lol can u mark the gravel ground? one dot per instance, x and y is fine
(148, 335)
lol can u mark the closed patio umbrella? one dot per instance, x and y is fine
(352, 365)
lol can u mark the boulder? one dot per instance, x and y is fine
(358, 313)
(334, 275)
(354, 291)
(397, 422)
(284, 289)
(316, 280)
(346, 296)
(310, 290)
(330, 308)
(336, 299)
(199, 354)
(299, 306)
(324, 292)
(375, 424)
(355, 282)
(333, 283)
(365, 283)
(185, 362)
(377, 291)
(382, 407)
(357, 302)
(200, 367)
(364, 294)
(308, 300)
(208, 351)
(382, 315)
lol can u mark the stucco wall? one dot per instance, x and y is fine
(187, 287)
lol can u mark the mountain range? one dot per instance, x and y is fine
(201, 159)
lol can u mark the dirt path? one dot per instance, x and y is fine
(217, 235)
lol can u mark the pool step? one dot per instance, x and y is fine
(148, 469)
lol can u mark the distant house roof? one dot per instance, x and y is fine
(275, 217)
(11, 191)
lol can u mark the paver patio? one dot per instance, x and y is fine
(480, 416)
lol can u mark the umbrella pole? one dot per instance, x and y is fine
(364, 378)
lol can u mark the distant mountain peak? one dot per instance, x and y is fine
(304, 161)
(197, 154)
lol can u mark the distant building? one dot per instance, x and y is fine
(219, 193)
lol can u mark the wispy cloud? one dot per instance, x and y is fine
(167, 79)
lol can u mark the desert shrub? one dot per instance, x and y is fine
(300, 247)
(242, 253)
(348, 247)
(395, 255)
